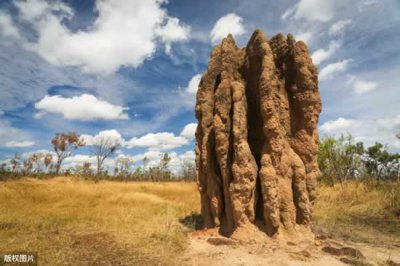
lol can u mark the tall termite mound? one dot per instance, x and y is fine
(256, 141)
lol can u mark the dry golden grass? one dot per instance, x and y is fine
(70, 221)
(76, 222)
(363, 211)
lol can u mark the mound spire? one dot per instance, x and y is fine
(257, 139)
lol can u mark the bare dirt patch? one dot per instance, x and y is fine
(317, 251)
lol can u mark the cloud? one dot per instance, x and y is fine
(288, 13)
(304, 36)
(177, 159)
(161, 141)
(361, 6)
(19, 144)
(194, 84)
(84, 107)
(361, 86)
(188, 94)
(36, 9)
(339, 27)
(312, 10)
(330, 70)
(154, 157)
(321, 54)
(228, 24)
(172, 32)
(13, 137)
(339, 125)
(112, 137)
(189, 131)
(123, 34)
(383, 130)
(7, 27)
(79, 159)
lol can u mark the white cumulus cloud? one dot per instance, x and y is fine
(367, 130)
(189, 131)
(79, 159)
(339, 125)
(304, 36)
(194, 84)
(188, 94)
(84, 107)
(361, 86)
(7, 27)
(123, 34)
(112, 137)
(153, 159)
(172, 32)
(332, 69)
(313, 10)
(321, 54)
(228, 24)
(13, 137)
(161, 141)
(19, 144)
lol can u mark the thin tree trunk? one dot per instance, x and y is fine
(98, 166)
(58, 166)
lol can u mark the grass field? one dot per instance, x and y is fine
(109, 223)
(70, 221)
(367, 211)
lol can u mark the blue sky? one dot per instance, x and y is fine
(130, 68)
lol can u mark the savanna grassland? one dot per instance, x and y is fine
(72, 221)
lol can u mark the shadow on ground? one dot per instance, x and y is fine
(193, 221)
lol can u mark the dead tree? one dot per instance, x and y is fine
(64, 144)
(102, 147)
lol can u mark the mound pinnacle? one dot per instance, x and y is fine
(257, 140)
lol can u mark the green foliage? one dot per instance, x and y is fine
(340, 159)
(380, 163)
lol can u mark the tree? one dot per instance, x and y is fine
(380, 163)
(138, 174)
(86, 170)
(38, 161)
(48, 159)
(15, 163)
(164, 161)
(145, 163)
(3, 168)
(188, 170)
(64, 144)
(28, 164)
(123, 166)
(153, 173)
(103, 146)
(340, 159)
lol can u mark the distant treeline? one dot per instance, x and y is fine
(46, 165)
(339, 159)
